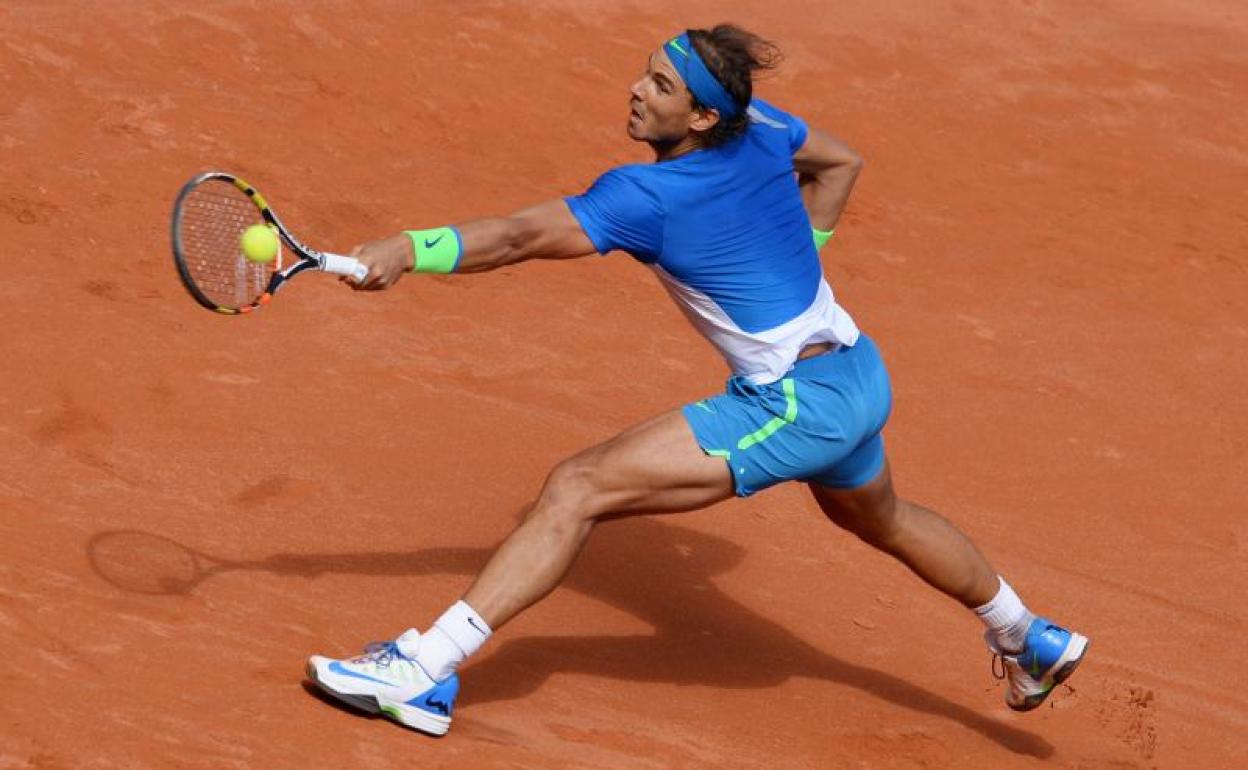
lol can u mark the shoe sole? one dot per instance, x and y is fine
(1071, 657)
(408, 716)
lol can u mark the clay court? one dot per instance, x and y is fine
(1049, 242)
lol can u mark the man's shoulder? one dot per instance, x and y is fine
(764, 113)
(780, 130)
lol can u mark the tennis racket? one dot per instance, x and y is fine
(209, 217)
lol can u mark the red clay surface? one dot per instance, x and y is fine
(1048, 241)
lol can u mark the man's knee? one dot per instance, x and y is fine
(572, 492)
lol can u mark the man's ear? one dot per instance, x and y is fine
(704, 120)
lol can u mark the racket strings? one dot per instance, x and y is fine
(214, 216)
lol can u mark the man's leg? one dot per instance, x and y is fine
(922, 539)
(654, 467)
(1035, 654)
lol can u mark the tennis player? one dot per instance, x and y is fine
(730, 218)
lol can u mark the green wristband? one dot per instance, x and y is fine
(821, 237)
(437, 250)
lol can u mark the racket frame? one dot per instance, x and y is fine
(309, 258)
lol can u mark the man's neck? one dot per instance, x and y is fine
(672, 150)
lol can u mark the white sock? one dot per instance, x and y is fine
(457, 634)
(1007, 618)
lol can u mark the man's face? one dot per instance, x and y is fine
(661, 105)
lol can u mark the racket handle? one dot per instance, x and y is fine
(340, 265)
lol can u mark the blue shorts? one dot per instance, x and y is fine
(819, 423)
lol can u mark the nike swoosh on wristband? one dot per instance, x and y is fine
(473, 623)
(338, 668)
(430, 244)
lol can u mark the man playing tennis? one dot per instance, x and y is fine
(730, 218)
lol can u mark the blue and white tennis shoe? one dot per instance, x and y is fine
(387, 679)
(1048, 658)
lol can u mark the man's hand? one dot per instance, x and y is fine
(387, 260)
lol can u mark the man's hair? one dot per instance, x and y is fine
(733, 56)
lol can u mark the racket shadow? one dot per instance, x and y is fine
(656, 572)
(143, 562)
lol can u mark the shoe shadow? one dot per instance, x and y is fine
(657, 572)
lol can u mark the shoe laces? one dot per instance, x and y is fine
(382, 654)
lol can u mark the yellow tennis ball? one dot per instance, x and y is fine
(259, 243)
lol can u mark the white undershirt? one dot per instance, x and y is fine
(765, 356)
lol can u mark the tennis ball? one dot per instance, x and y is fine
(259, 243)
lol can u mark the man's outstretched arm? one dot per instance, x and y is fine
(545, 231)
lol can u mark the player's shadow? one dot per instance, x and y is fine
(661, 574)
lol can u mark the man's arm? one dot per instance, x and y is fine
(545, 231)
(826, 170)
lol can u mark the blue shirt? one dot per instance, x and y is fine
(727, 234)
(727, 222)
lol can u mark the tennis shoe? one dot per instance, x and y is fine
(1049, 656)
(387, 679)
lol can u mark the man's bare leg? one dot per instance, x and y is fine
(654, 467)
(923, 540)
(1036, 654)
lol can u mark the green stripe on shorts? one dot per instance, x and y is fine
(775, 423)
